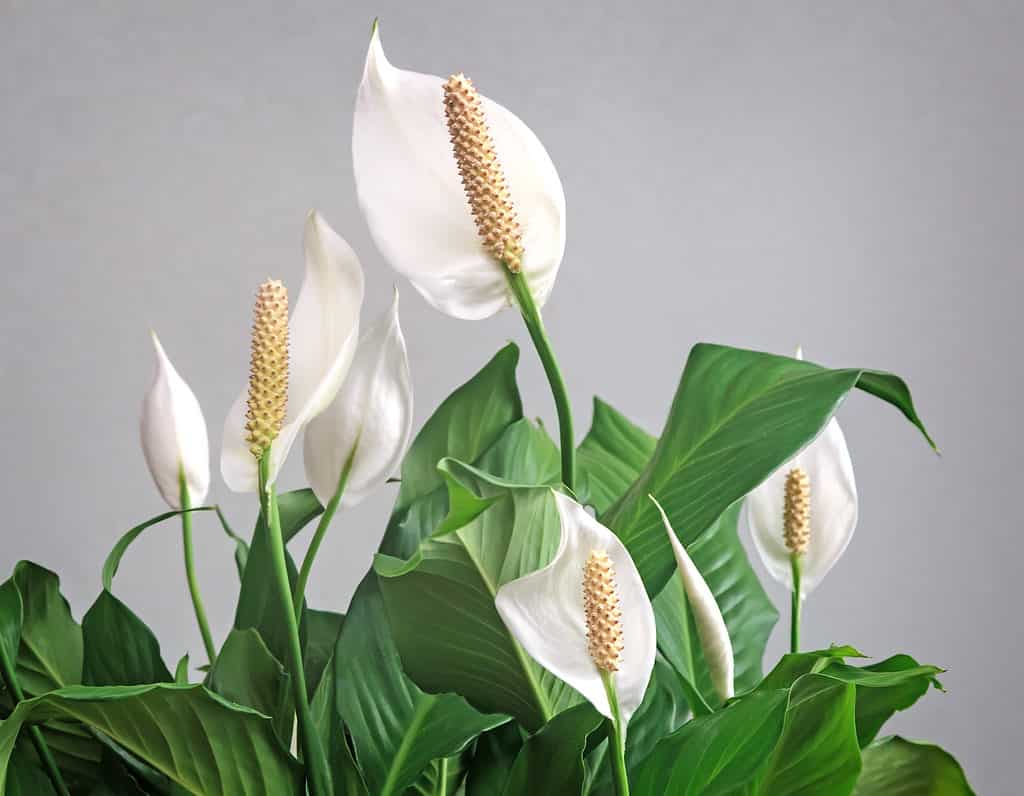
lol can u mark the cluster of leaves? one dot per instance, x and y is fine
(420, 689)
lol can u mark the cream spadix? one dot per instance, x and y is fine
(711, 630)
(173, 433)
(452, 234)
(370, 419)
(321, 340)
(586, 613)
(821, 506)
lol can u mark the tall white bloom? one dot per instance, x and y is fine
(823, 491)
(585, 612)
(711, 630)
(173, 432)
(419, 208)
(322, 335)
(370, 419)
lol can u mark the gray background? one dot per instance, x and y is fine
(848, 177)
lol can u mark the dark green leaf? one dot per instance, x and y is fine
(26, 777)
(246, 673)
(736, 417)
(322, 630)
(118, 647)
(10, 620)
(879, 696)
(50, 655)
(493, 756)
(239, 752)
(551, 760)
(610, 458)
(897, 767)
(345, 774)
(396, 728)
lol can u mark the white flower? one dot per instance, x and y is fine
(711, 629)
(411, 194)
(544, 611)
(323, 331)
(173, 434)
(833, 510)
(371, 414)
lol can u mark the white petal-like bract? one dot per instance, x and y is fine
(412, 197)
(714, 635)
(173, 431)
(372, 412)
(323, 330)
(544, 612)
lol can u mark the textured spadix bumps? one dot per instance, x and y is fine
(823, 516)
(415, 201)
(321, 339)
(173, 434)
(268, 367)
(547, 613)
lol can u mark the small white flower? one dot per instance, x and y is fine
(323, 331)
(711, 629)
(545, 613)
(371, 414)
(173, 433)
(410, 191)
(833, 510)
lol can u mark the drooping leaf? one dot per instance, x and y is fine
(201, 742)
(441, 601)
(551, 760)
(716, 753)
(818, 753)
(736, 417)
(246, 673)
(113, 562)
(897, 767)
(379, 705)
(118, 647)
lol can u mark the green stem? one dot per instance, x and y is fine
(794, 626)
(190, 572)
(617, 741)
(442, 777)
(312, 750)
(10, 679)
(299, 592)
(535, 326)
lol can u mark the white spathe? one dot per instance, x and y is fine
(711, 630)
(544, 612)
(173, 432)
(371, 414)
(833, 514)
(412, 197)
(323, 331)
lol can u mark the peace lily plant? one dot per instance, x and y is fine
(542, 617)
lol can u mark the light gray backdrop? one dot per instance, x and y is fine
(847, 177)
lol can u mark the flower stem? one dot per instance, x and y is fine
(442, 777)
(190, 572)
(617, 741)
(535, 326)
(312, 751)
(794, 626)
(10, 680)
(299, 592)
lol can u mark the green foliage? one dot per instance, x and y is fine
(897, 767)
(118, 647)
(551, 760)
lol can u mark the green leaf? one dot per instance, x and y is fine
(181, 670)
(897, 767)
(453, 769)
(379, 704)
(118, 647)
(610, 458)
(202, 743)
(110, 566)
(818, 753)
(50, 655)
(10, 619)
(246, 673)
(465, 425)
(716, 753)
(736, 417)
(396, 728)
(551, 760)
(258, 606)
(322, 631)
(241, 547)
(493, 756)
(345, 774)
(441, 602)
(26, 777)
